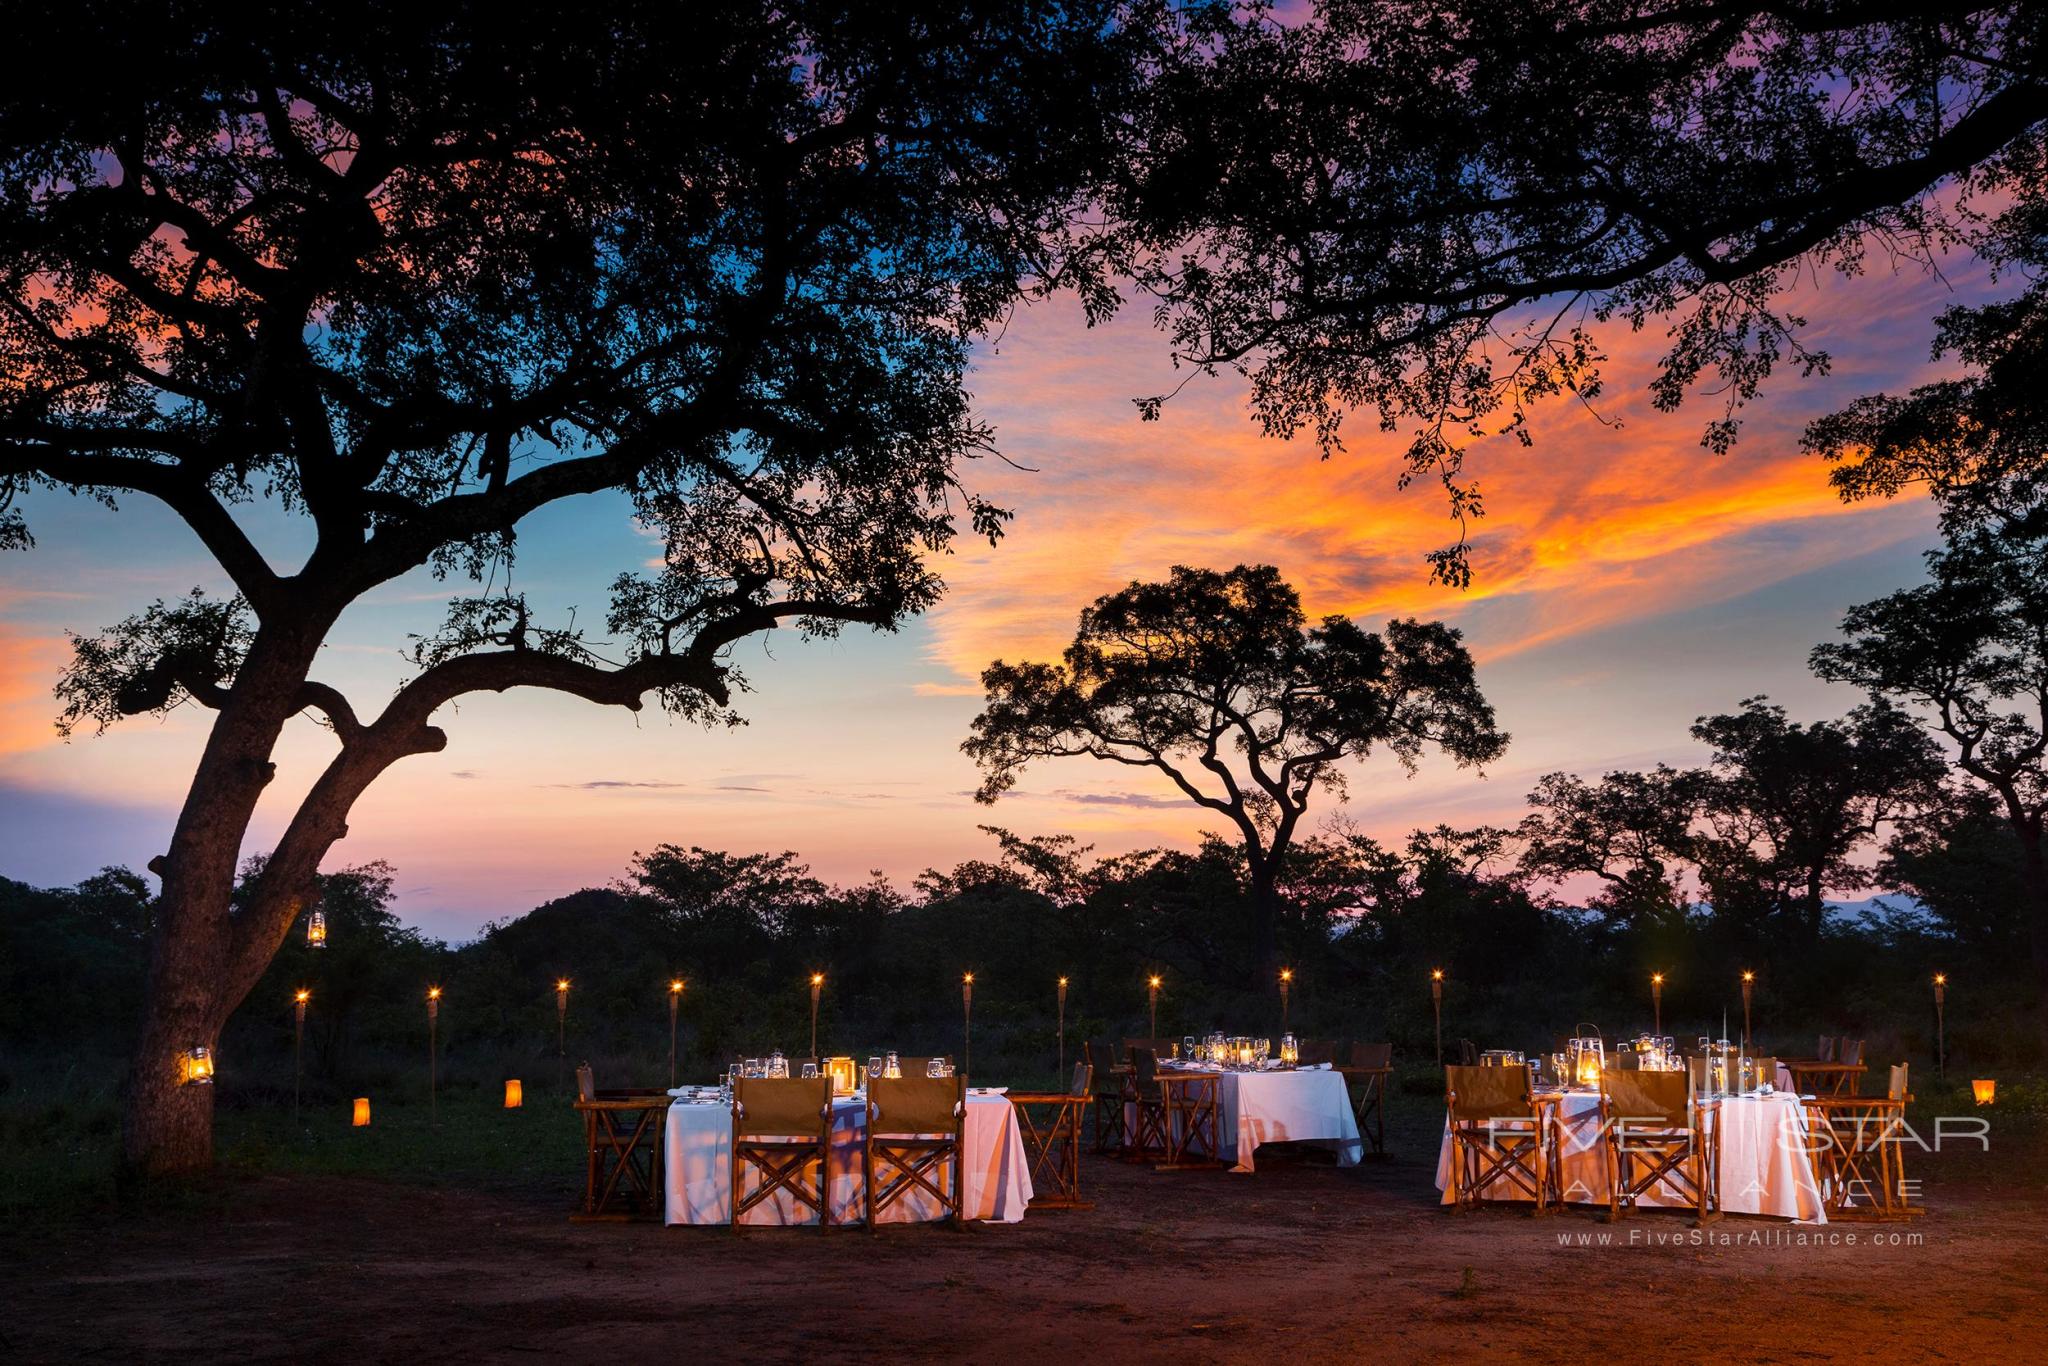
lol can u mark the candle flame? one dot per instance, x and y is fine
(817, 979)
(1287, 974)
(433, 993)
(1436, 974)
(1941, 979)
(1657, 978)
(1063, 981)
(675, 988)
(968, 978)
(1748, 976)
(1155, 981)
(302, 995)
(562, 984)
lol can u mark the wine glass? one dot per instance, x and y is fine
(810, 1072)
(874, 1067)
(935, 1067)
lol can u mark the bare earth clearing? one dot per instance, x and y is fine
(1301, 1260)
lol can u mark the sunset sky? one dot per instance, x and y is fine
(1627, 582)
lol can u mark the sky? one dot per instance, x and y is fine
(1626, 582)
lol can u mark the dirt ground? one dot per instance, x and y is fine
(1300, 1260)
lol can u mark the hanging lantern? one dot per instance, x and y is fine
(195, 1067)
(361, 1118)
(1985, 1090)
(514, 1096)
(316, 930)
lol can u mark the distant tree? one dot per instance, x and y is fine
(407, 274)
(1788, 807)
(1632, 831)
(1969, 650)
(1426, 212)
(722, 910)
(1962, 863)
(1216, 680)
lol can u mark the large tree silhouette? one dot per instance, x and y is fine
(1425, 214)
(1969, 650)
(1217, 680)
(409, 273)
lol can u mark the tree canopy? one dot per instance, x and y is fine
(1216, 680)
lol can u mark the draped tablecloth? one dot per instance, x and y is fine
(1308, 1105)
(1287, 1107)
(1762, 1143)
(697, 1168)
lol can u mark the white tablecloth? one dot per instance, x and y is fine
(1762, 1144)
(697, 1168)
(1310, 1105)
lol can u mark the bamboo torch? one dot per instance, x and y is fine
(433, 1055)
(299, 999)
(1436, 1004)
(1286, 985)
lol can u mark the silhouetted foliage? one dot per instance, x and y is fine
(1217, 681)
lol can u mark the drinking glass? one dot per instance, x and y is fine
(754, 1067)
(810, 1071)
(1187, 1048)
(874, 1067)
(935, 1067)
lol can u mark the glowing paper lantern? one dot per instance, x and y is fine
(1985, 1089)
(361, 1117)
(514, 1097)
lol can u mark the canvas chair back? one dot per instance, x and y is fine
(1850, 1051)
(1628, 1061)
(919, 1066)
(1648, 1097)
(1827, 1048)
(586, 1084)
(1145, 1071)
(1468, 1053)
(1079, 1085)
(781, 1107)
(1479, 1094)
(916, 1104)
(1317, 1051)
(1897, 1089)
(1372, 1057)
(1696, 1072)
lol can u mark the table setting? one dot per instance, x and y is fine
(1760, 1132)
(1264, 1098)
(697, 1149)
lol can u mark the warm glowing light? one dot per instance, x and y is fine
(1656, 979)
(515, 1096)
(316, 931)
(561, 986)
(1287, 974)
(1155, 983)
(1749, 977)
(969, 979)
(302, 996)
(818, 979)
(433, 993)
(1063, 981)
(195, 1067)
(1436, 974)
(361, 1118)
(1941, 979)
(1985, 1089)
(1589, 1069)
(845, 1075)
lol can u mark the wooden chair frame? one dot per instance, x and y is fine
(907, 1162)
(1191, 1106)
(1858, 1133)
(1510, 1149)
(1372, 1098)
(1684, 1158)
(1107, 1090)
(1050, 1123)
(1150, 1134)
(622, 1131)
(782, 1162)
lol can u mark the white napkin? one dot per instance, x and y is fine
(987, 1090)
(1314, 1067)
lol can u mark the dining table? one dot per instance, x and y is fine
(1762, 1145)
(1279, 1104)
(697, 1165)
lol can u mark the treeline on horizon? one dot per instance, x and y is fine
(1698, 875)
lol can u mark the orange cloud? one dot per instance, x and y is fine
(28, 668)
(1607, 518)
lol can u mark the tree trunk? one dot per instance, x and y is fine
(1265, 925)
(2034, 881)
(167, 1125)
